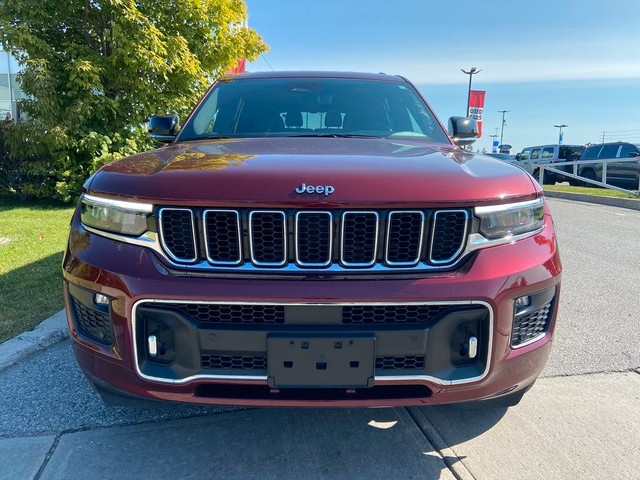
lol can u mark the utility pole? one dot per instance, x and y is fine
(504, 122)
(471, 73)
(560, 132)
(603, 134)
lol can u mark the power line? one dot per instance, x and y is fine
(265, 59)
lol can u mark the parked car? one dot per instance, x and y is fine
(544, 154)
(311, 239)
(620, 174)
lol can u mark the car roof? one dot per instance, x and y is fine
(598, 145)
(553, 145)
(317, 74)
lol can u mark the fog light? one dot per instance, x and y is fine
(523, 301)
(101, 299)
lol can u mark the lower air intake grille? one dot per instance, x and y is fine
(530, 326)
(93, 324)
(400, 362)
(234, 362)
(214, 313)
(392, 314)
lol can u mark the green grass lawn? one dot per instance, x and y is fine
(30, 263)
(603, 192)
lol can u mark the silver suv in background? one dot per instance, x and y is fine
(619, 174)
(530, 157)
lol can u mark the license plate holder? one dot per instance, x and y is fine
(311, 361)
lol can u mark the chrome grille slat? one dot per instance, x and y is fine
(178, 234)
(405, 233)
(243, 240)
(268, 238)
(313, 238)
(222, 237)
(448, 235)
(359, 238)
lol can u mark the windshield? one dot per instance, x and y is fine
(261, 107)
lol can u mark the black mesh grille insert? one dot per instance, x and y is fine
(177, 233)
(529, 326)
(223, 238)
(448, 235)
(392, 314)
(359, 238)
(234, 362)
(400, 362)
(92, 324)
(404, 237)
(268, 238)
(228, 313)
(313, 238)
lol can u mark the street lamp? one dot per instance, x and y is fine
(560, 132)
(471, 73)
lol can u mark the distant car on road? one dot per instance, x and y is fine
(620, 174)
(530, 157)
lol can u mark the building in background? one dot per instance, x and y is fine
(10, 92)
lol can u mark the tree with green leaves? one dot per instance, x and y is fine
(95, 70)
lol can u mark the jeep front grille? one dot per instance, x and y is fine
(313, 240)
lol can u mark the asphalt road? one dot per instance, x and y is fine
(47, 398)
(597, 329)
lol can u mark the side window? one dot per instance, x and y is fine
(535, 154)
(525, 155)
(547, 152)
(609, 151)
(591, 153)
(627, 149)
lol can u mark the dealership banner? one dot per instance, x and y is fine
(476, 107)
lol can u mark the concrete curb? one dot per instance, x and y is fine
(611, 201)
(50, 331)
(458, 468)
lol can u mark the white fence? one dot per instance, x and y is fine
(578, 167)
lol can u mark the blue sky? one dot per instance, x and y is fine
(547, 62)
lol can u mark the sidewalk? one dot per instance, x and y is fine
(582, 427)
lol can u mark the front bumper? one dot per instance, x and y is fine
(480, 295)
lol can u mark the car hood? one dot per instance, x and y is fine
(267, 171)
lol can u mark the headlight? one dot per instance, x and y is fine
(128, 218)
(503, 221)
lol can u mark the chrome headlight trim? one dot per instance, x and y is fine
(511, 219)
(125, 205)
(118, 216)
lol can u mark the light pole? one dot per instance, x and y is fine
(471, 73)
(560, 132)
(504, 122)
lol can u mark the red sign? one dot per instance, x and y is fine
(476, 108)
(240, 67)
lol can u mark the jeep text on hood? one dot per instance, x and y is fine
(311, 239)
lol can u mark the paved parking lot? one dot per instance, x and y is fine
(582, 420)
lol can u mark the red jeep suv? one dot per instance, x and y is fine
(311, 239)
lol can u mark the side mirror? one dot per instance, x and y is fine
(517, 156)
(164, 128)
(463, 130)
(633, 154)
